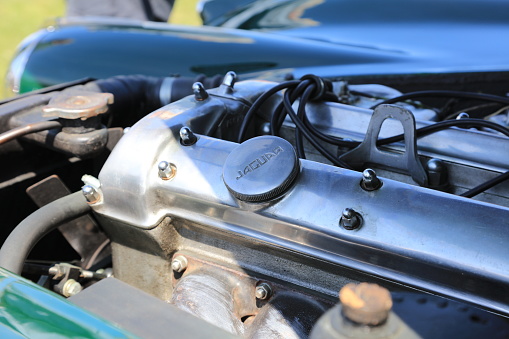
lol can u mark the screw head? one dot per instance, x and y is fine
(229, 79)
(91, 194)
(350, 219)
(167, 170)
(199, 91)
(179, 264)
(263, 291)
(187, 137)
(370, 181)
(366, 304)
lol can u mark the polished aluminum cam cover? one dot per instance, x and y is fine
(260, 169)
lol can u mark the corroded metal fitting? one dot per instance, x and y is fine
(179, 264)
(80, 105)
(366, 304)
(263, 291)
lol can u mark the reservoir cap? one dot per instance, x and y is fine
(260, 168)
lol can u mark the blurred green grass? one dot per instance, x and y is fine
(19, 18)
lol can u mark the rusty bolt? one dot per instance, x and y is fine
(179, 264)
(366, 304)
(263, 291)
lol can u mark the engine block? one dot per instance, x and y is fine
(188, 209)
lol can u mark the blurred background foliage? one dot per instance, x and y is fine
(19, 18)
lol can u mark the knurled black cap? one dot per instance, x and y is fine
(261, 169)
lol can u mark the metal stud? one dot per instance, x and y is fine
(370, 181)
(350, 220)
(229, 79)
(437, 174)
(187, 137)
(199, 91)
(166, 170)
(91, 194)
(179, 264)
(263, 291)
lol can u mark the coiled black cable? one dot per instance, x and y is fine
(310, 88)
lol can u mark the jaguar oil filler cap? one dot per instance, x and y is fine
(260, 168)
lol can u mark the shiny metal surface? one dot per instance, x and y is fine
(260, 168)
(415, 236)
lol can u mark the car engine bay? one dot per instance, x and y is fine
(290, 169)
(251, 204)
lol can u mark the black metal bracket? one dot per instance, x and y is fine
(368, 151)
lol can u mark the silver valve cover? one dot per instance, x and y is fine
(410, 235)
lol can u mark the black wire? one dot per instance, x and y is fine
(280, 113)
(327, 138)
(258, 102)
(439, 126)
(447, 94)
(304, 89)
(300, 114)
(486, 185)
(300, 125)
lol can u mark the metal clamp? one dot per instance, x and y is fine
(368, 152)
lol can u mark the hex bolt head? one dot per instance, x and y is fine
(187, 137)
(199, 91)
(91, 194)
(350, 220)
(167, 170)
(71, 287)
(365, 304)
(263, 291)
(370, 182)
(179, 264)
(229, 79)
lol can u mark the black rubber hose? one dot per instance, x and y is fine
(135, 96)
(33, 228)
(138, 95)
